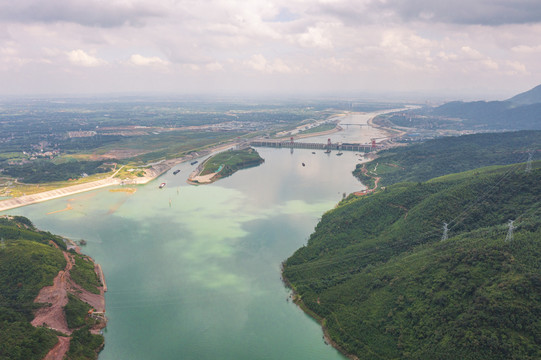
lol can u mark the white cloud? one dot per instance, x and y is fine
(525, 49)
(491, 64)
(516, 68)
(81, 58)
(337, 44)
(471, 53)
(215, 66)
(315, 37)
(259, 63)
(140, 60)
(336, 65)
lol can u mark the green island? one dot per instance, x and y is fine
(431, 268)
(29, 261)
(319, 128)
(227, 163)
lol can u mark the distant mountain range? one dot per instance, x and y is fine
(521, 112)
(529, 97)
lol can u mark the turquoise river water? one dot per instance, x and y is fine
(194, 271)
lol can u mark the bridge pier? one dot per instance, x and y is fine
(314, 146)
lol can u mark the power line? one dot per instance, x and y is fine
(445, 235)
(529, 163)
(509, 237)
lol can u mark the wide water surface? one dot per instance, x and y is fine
(194, 271)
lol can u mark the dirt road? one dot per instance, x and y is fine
(56, 296)
(53, 316)
(59, 350)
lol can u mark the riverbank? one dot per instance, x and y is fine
(54, 194)
(296, 298)
(149, 174)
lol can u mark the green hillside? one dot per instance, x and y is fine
(386, 286)
(421, 162)
(29, 261)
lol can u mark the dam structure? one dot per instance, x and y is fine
(291, 144)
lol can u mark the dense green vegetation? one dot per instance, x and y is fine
(438, 157)
(319, 128)
(43, 171)
(76, 312)
(83, 274)
(21, 228)
(228, 162)
(385, 285)
(27, 263)
(83, 345)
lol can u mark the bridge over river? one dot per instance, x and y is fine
(315, 146)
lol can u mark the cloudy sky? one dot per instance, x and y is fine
(450, 47)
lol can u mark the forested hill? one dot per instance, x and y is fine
(421, 162)
(27, 263)
(387, 284)
(29, 260)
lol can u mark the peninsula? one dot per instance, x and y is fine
(224, 164)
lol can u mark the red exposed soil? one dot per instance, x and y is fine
(56, 296)
(59, 350)
(376, 182)
(53, 316)
(97, 301)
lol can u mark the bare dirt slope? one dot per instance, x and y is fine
(56, 296)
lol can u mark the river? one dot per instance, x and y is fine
(194, 271)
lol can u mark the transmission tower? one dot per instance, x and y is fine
(445, 235)
(529, 163)
(509, 236)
